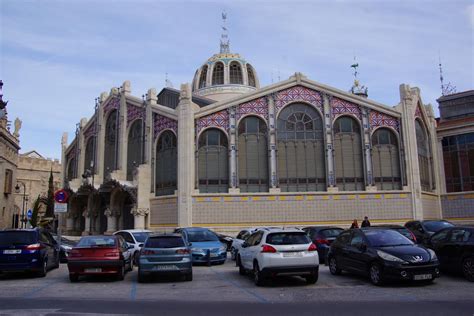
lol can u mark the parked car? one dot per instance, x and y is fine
(65, 247)
(100, 255)
(165, 254)
(135, 238)
(28, 250)
(454, 247)
(423, 230)
(238, 241)
(270, 252)
(399, 228)
(322, 237)
(226, 240)
(382, 254)
(205, 245)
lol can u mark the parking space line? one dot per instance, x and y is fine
(35, 291)
(133, 290)
(257, 296)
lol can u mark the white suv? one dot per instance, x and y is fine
(270, 252)
(135, 238)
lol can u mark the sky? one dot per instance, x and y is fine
(57, 56)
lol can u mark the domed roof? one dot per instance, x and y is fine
(225, 75)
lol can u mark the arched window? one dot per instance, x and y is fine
(111, 144)
(235, 73)
(70, 169)
(253, 157)
(424, 157)
(202, 78)
(251, 76)
(386, 160)
(89, 155)
(166, 170)
(218, 74)
(213, 170)
(348, 155)
(300, 141)
(134, 148)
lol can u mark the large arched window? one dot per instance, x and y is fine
(166, 171)
(202, 78)
(70, 169)
(89, 155)
(424, 157)
(251, 76)
(386, 160)
(253, 157)
(213, 170)
(134, 148)
(348, 155)
(218, 74)
(235, 73)
(300, 141)
(111, 144)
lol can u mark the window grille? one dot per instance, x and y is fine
(89, 154)
(251, 76)
(7, 188)
(134, 148)
(424, 157)
(301, 155)
(385, 160)
(253, 155)
(110, 146)
(458, 156)
(70, 169)
(202, 78)
(218, 74)
(166, 171)
(213, 171)
(235, 73)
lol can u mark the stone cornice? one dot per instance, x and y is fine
(165, 111)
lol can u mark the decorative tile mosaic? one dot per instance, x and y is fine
(90, 130)
(161, 122)
(377, 119)
(257, 107)
(298, 93)
(218, 119)
(135, 112)
(114, 103)
(339, 107)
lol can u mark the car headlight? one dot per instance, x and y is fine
(196, 250)
(222, 248)
(389, 257)
(432, 255)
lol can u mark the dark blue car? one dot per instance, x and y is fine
(28, 250)
(205, 245)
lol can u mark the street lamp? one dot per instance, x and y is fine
(17, 190)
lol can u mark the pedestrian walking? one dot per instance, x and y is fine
(354, 224)
(365, 222)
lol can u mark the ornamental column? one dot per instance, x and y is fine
(87, 218)
(139, 215)
(331, 181)
(272, 146)
(232, 153)
(111, 221)
(367, 151)
(69, 222)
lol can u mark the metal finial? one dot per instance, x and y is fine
(357, 89)
(225, 49)
(448, 88)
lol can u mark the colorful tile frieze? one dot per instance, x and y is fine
(113, 103)
(257, 107)
(298, 93)
(218, 119)
(90, 130)
(340, 107)
(378, 119)
(161, 122)
(135, 112)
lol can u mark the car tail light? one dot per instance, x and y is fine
(322, 241)
(148, 252)
(268, 249)
(312, 247)
(75, 253)
(182, 251)
(34, 247)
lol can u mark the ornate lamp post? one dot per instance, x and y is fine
(17, 190)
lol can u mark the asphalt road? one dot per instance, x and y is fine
(220, 290)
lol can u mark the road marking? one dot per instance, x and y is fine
(35, 291)
(133, 290)
(257, 296)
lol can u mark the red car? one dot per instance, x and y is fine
(99, 255)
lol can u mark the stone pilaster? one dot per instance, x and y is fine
(142, 209)
(272, 146)
(123, 136)
(99, 168)
(87, 218)
(82, 149)
(367, 150)
(331, 184)
(111, 221)
(139, 215)
(186, 144)
(232, 152)
(151, 100)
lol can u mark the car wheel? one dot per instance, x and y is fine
(56, 265)
(44, 269)
(258, 277)
(468, 268)
(121, 273)
(241, 267)
(73, 278)
(333, 267)
(312, 279)
(135, 258)
(188, 276)
(130, 265)
(232, 253)
(375, 274)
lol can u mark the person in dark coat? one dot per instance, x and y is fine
(354, 224)
(365, 222)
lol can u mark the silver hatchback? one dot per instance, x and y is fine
(165, 254)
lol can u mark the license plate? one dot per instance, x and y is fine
(93, 270)
(164, 267)
(422, 277)
(214, 254)
(12, 252)
(293, 254)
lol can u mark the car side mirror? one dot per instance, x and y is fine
(245, 245)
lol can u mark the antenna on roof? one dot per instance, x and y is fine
(168, 82)
(448, 88)
(225, 49)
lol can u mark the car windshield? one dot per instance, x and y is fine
(405, 232)
(99, 241)
(9, 238)
(288, 238)
(333, 232)
(434, 226)
(201, 235)
(164, 242)
(140, 237)
(386, 238)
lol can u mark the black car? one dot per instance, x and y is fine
(455, 250)
(28, 250)
(322, 237)
(423, 230)
(65, 247)
(399, 228)
(226, 240)
(382, 254)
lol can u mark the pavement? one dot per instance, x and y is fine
(221, 290)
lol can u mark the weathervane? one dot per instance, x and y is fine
(448, 88)
(168, 82)
(224, 36)
(357, 89)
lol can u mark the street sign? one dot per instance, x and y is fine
(61, 196)
(60, 207)
(29, 214)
